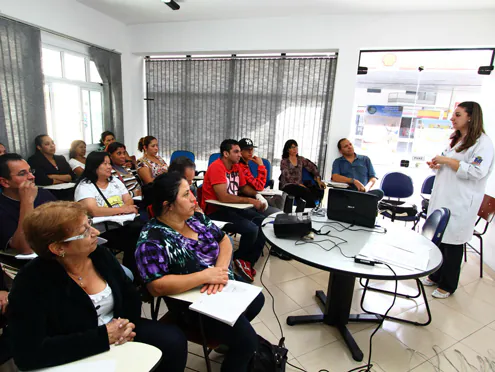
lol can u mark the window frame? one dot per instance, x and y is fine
(81, 85)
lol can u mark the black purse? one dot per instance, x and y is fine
(269, 357)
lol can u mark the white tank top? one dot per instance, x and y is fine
(103, 303)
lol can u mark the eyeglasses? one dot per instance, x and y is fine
(84, 235)
(24, 173)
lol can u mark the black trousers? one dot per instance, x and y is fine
(246, 222)
(447, 276)
(241, 339)
(125, 239)
(310, 193)
(169, 339)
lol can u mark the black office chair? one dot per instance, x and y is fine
(433, 229)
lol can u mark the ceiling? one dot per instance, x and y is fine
(154, 11)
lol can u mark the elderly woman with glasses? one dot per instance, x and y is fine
(74, 300)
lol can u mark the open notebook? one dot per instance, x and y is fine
(228, 305)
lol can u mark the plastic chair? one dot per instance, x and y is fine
(433, 229)
(179, 153)
(486, 212)
(426, 189)
(398, 186)
(253, 167)
(213, 157)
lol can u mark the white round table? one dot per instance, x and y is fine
(344, 270)
(130, 357)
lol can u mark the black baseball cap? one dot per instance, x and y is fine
(246, 143)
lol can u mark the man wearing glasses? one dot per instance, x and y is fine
(19, 195)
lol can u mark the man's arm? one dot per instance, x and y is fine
(224, 197)
(370, 183)
(27, 194)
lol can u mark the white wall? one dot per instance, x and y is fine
(76, 20)
(346, 34)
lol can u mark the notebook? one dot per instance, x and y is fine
(228, 305)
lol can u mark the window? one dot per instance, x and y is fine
(73, 97)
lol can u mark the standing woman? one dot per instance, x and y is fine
(77, 156)
(150, 165)
(291, 177)
(462, 173)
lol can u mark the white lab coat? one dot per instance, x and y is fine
(462, 191)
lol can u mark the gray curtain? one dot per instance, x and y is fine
(194, 104)
(22, 108)
(110, 69)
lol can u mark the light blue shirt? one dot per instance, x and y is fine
(360, 169)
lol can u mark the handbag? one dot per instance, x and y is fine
(269, 357)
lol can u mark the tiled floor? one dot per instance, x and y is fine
(461, 336)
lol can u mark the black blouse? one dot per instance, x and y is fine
(43, 168)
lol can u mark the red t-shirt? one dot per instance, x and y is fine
(218, 174)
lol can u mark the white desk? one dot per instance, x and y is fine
(230, 205)
(59, 186)
(345, 270)
(130, 357)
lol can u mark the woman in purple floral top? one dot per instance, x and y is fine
(180, 250)
(291, 177)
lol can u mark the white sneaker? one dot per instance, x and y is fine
(427, 282)
(437, 294)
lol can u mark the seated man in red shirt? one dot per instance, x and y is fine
(258, 183)
(224, 182)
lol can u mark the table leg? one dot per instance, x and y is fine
(337, 304)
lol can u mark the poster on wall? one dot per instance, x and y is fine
(381, 128)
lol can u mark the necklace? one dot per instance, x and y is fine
(79, 278)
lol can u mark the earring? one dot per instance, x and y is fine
(62, 254)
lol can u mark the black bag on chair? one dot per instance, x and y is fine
(269, 358)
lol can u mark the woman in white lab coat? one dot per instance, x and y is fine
(462, 173)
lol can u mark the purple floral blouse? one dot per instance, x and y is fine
(161, 250)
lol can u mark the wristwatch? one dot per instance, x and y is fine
(352, 181)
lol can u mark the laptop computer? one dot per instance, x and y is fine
(354, 207)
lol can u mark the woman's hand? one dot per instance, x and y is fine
(4, 300)
(433, 165)
(216, 275)
(127, 209)
(440, 160)
(212, 288)
(120, 331)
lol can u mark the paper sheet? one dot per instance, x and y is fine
(220, 224)
(120, 219)
(60, 186)
(228, 305)
(394, 255)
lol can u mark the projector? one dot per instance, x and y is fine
(292, 226)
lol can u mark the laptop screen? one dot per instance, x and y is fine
(354, 207)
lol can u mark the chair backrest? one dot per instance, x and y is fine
(199, 194)
(306, 176)
(487, 208)
(397, 185)
(179, 153)
(435, 225)
(213, 157)
(253, 167)
(428, 185)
